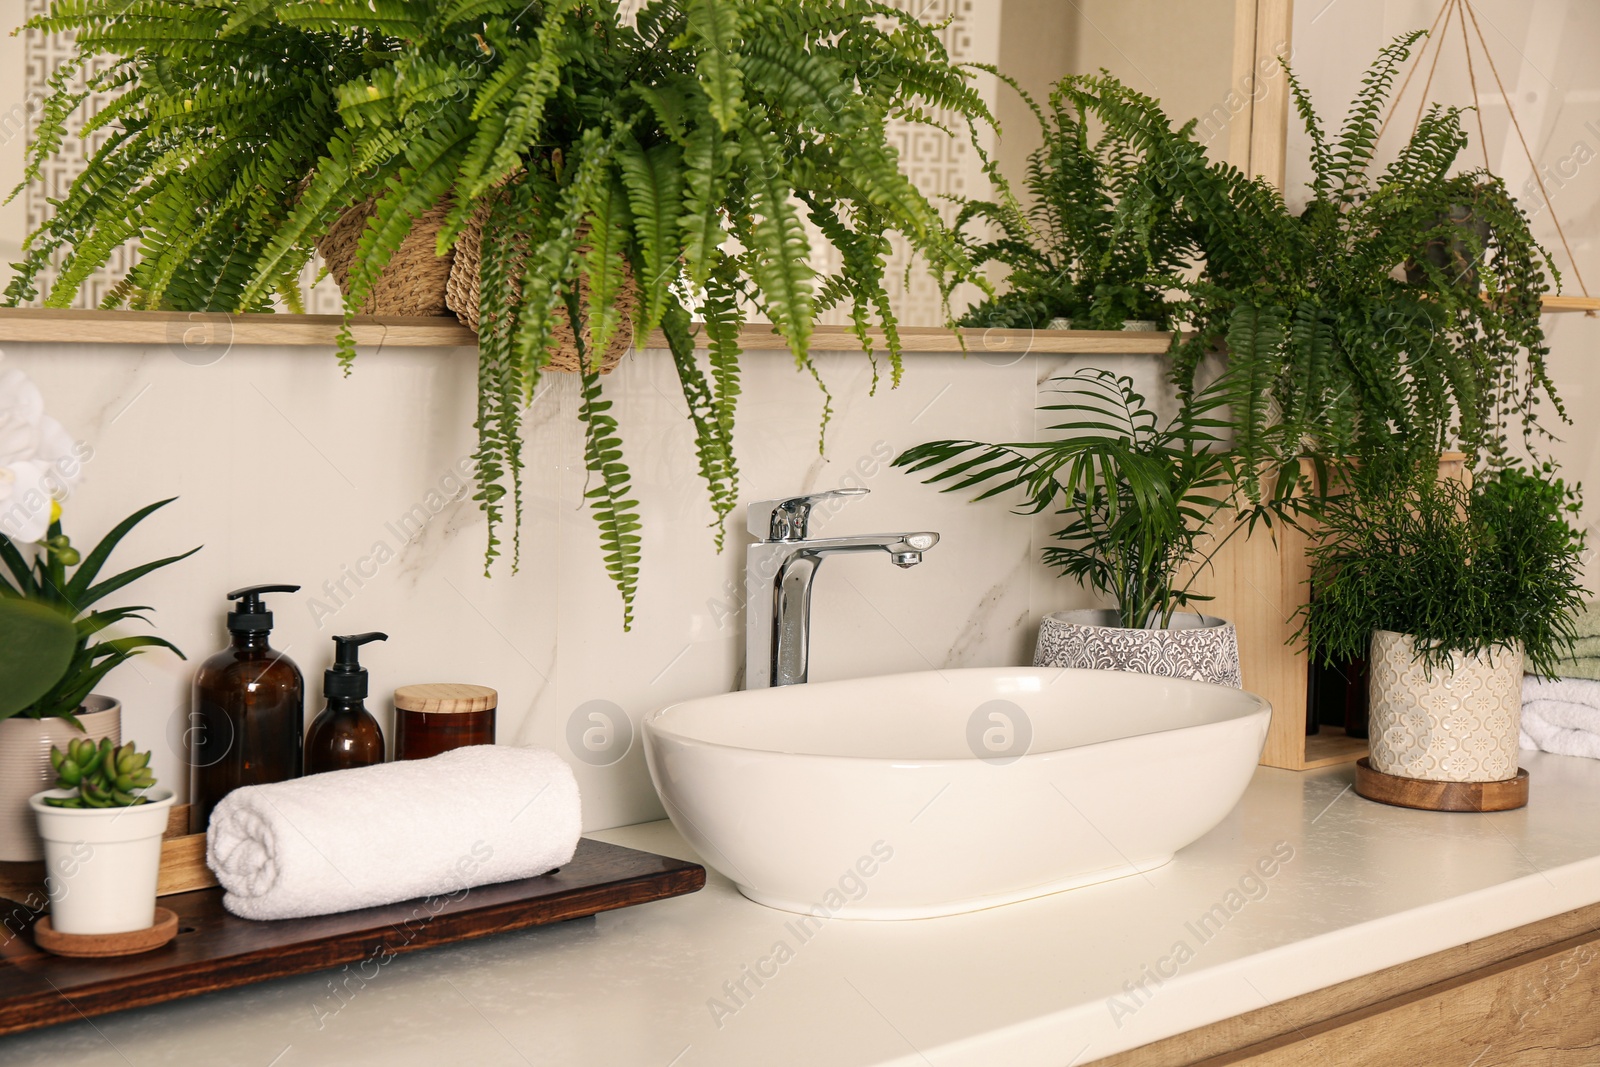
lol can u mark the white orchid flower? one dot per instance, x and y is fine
(38, 461)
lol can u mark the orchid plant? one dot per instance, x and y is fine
(39, 460)
(52, 654)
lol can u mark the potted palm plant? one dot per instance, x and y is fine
(102, 826)
(62, 583)
(594, 178)
(1448, 590)
(1100, 239)
(1136, 497)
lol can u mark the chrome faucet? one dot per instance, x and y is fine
(779, 570)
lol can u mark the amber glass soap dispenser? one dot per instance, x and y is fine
(345, 734)
(249, 704)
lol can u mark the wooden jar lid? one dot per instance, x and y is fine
(445, 698)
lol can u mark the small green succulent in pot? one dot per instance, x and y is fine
(62, 581)
(1101, 238)
(105, 775)
(1138, 495)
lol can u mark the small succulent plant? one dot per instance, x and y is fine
(104, 775)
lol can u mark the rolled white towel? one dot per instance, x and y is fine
(397, 831)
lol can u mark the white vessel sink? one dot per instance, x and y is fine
(915, 795)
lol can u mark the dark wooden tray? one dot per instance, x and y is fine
(215, 950)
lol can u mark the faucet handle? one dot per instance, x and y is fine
(786, 519)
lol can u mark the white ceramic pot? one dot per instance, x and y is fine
(25, 746)
(1198, 647)
(1059, 323)
(1141, 325)
(101, 864)
(1456, 723)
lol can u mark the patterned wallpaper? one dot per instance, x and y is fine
(938, 164)
(43, 53)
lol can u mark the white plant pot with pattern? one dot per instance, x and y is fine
(1198, 647)
(1455, 723)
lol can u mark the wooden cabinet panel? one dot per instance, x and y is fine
(1529, 996)
(1536, 1010)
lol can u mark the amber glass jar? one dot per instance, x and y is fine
(434, 718)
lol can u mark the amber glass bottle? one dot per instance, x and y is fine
(249, 704)
(344, 734)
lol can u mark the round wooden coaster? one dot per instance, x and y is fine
(128, 944)
(1440, 796)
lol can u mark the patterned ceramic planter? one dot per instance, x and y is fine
(1198, 647)
(1454, 724)
(25, 746)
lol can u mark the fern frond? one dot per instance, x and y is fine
(713, 445)
(654, 180)
(715, 23)
(615, 512)
(780, 254)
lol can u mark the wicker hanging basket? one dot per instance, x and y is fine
(462, 298)
(416, 281)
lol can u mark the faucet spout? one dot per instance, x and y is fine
(780, 570)
(895, 544)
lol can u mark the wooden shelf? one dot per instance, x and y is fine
(200, 331)
(1586, 304)
(1329, 746)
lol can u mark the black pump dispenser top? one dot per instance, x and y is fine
(251, 614)
(347, 678)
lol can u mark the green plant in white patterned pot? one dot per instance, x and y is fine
(1136, 495)
(1448, 590)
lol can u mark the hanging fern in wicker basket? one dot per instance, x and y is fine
(606, 178)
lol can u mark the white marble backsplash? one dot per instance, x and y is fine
(358, 489)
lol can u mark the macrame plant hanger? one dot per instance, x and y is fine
(1462, 11)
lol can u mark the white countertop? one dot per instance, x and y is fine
(1363, 887)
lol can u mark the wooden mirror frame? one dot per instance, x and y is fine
(1259, 134)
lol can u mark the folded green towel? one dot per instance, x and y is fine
(1584, 667)
(1587, 624)
(1586, 648)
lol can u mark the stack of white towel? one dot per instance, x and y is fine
(1561, 715)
